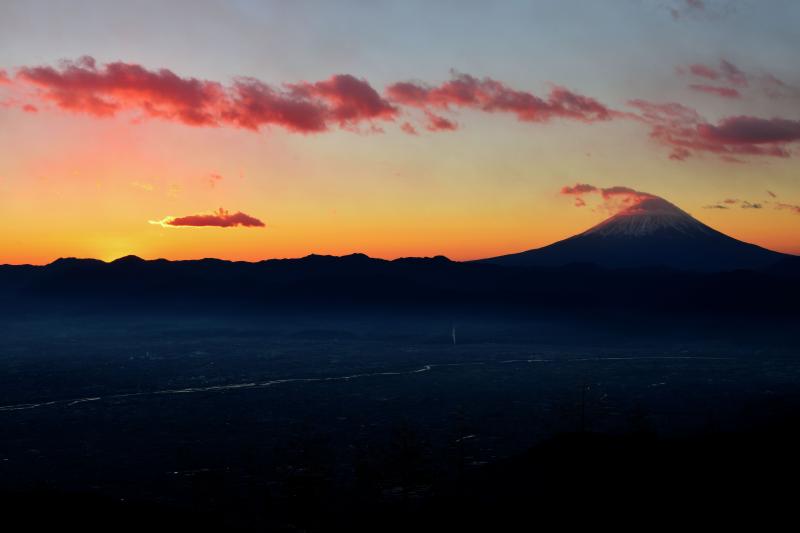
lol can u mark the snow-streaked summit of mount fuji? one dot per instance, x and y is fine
(651, 232)
(649, 216)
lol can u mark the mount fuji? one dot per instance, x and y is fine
(650, 233)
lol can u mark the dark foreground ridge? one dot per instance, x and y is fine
(409, 284)
(573, 480)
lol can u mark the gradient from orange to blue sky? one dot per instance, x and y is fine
(76, 184)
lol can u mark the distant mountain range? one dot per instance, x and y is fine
(413, 285)
(651, 233)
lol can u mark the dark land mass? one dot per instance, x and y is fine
(328, 394)
(413, 285)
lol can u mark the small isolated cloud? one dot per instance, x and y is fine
(772, 194)
(28, 108)
(213, 179)
(220, 219)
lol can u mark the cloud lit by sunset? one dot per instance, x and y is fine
(219, 218)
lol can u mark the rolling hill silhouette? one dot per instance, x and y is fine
(651, 233)
(409, 285)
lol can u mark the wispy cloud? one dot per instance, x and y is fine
(788, 207)
(725, 92)
(747, 204)
(729, 81)
(492, 96)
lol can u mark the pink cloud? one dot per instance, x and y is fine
(686, 133)
(746, 131)
(492, 96)
(408, 128)
(439, 123)
(615, 198)
(83, 86)
(350, 103)
(733, 74)
(253, 104)
(343, 100)
(578, 188)
(704, 71)
(731, 80)
(350, 99)
(725, 92)
(220, 218)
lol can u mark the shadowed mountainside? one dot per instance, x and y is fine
(650, 233)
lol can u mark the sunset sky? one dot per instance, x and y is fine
(249, 130)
